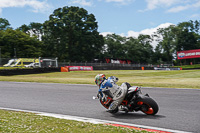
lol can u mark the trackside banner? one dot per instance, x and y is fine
(80, 68)
(188, 54)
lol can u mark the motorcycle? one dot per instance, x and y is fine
(133, 101)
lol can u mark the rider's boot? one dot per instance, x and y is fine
(113, 108)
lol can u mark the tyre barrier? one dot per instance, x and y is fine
(17, 71)
(10, 72)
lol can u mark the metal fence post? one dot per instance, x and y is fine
(40, 62)
(56, 61)
(0, 56)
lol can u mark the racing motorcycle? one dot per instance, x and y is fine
(133, 101)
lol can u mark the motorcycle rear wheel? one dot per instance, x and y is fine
(148, 105)
(114, 111)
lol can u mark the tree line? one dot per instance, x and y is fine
(71, 34)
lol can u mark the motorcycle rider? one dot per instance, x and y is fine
(110, 88)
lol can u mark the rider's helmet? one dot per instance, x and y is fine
(99, 78)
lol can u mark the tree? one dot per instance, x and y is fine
(167, 43)
(4, 24)
(158, 56)
(146, 48)
(133, 50)
(24, 28)
(139, 49)
(187, 35)
(114, 46)
(33, 29)
(71, 34)
(25, 46)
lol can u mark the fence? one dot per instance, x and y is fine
(109, 64)
(46, 62)
(10, 72)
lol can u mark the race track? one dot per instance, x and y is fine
(179, 108)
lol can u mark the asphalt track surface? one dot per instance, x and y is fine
(179, 109)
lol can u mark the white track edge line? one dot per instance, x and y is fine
(92, 120)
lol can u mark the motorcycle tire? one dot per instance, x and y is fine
(148, 105)
(114, 111)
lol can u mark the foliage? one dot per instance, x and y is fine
(188, 36)
(138, 49)
(33, 29)
(166, 43)
(71, 33)
(4, 24)
(114, 46)
(16, 43)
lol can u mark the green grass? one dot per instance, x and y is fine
(146, 78)
(4, 68)
(20, 122)
(189, 66)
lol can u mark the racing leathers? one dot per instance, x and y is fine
(117, 93)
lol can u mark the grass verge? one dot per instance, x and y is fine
(189, 66)
(146, 78)
(21, 122)
(7, 68)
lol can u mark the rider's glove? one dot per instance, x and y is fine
(98, 94)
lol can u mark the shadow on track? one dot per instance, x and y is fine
(121, 115)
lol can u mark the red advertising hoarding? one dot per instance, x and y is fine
(80, 68)
(188, 54)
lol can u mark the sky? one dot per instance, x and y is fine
(122, 17)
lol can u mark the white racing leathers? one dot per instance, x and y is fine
(118, 96)
(117, 93)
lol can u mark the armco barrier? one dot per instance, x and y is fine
(120, 68)
(167, 68)
(10, 72)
